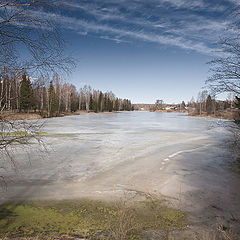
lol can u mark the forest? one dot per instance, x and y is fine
(50, 97)
(206, 104)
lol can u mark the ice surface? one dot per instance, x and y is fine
(108, 155)
(84, 145)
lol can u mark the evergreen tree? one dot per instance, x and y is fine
(105, 103)
(209, 105)
(237, 114)
(52, 101)
(74, 103)
(91, 103)
(100, 99)
(26, 94)
(116, 105)
(95, 106)
(183, 105)
(109, 105)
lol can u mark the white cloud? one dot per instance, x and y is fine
(76, 24)
(184, 3)
(191, 31)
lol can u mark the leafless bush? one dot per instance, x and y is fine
(29, 41)
(124, 222)
(15, 137)
(221, 233)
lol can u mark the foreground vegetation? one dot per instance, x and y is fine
(89, 219)
(98, 220)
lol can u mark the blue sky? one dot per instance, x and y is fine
(143, 49)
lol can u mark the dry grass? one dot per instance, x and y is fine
(218, 234)
(222, 115)
(9, 115)
(41, 238)
(221, 233)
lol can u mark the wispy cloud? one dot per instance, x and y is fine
(180, 23)
(122, 34)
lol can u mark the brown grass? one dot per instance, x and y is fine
(222, 115)
(9, 115)
(41, 238)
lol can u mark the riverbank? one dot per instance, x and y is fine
(221, 115)
(9, 115)
(91, 219)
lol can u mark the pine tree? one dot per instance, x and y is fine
(105, 102)
(237, 114)
(95, 106)
(52, 101)
(74, 103)
(91, 103)
(116, 105)
(209, 105)
(183, 105)
(26, 94)
(109, 105)
(100, 99)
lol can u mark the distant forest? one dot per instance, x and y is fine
(51, 97)
(204, 105)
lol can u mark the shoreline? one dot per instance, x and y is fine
(210, 116)
(32, 115)
(91, 218)
(226, 116)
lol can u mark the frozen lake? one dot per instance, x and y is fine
(106, 156)
(82, 146)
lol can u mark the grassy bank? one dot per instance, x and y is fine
(221, 115)
(9, 115)
(89, 219)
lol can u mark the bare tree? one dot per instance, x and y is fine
(87, 92)
(225, 69)
(26, 27)
(159, 104)
(29, 41)
(202, 97)
(16, 137)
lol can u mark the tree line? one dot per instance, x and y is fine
(53, 96)
(206, 104)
